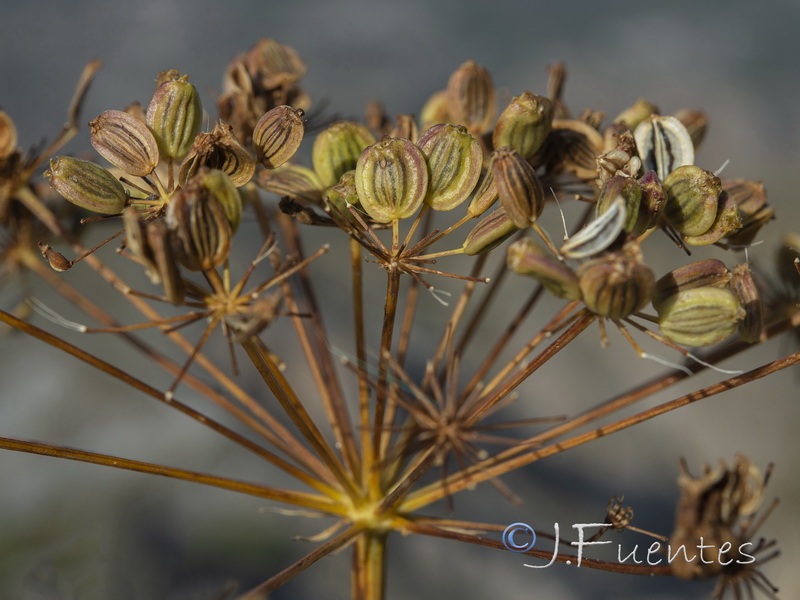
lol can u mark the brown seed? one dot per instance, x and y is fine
(125, 142)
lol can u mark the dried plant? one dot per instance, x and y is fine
(398, 438)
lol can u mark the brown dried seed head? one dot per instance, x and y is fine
(337, 148)
(8, 135)
(692, 199)
(491, 231)
(454, 159)
(518, 187)
(87, 185)
(617, 284)
(524, 124)
(471, 97)
(174, 115)
(526, 257)
(744, 287)
(702, 273)
(125, 142)
(700, 316)
(277, 135)
(219, 149)
(391, 179)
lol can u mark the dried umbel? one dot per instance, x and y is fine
(277, 135)
(454, 159)
(526, 257)
(700, 316)
(392, 179)
(174, 115)
(518, 187)
(713, 511)
(616, 284)
(125, 142)
(524, 124)
(664, 144)
(337, 148)
(471, 98)
(86, 185)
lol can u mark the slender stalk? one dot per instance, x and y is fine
(279, 495)
(369, 567)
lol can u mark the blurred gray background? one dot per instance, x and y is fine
(76, 531)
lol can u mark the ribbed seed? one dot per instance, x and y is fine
(174, 115)
(617, 284)
(125, 142)
(337, 148)
(295, 181)
(709, 272)
(87, 185)
(700, 316)
(524, 124)
(391, 179)
(454, 160)
(692, 199)
(471, 97)
(491, 231)
(526, 257)
(277, 135)
(518, 187)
